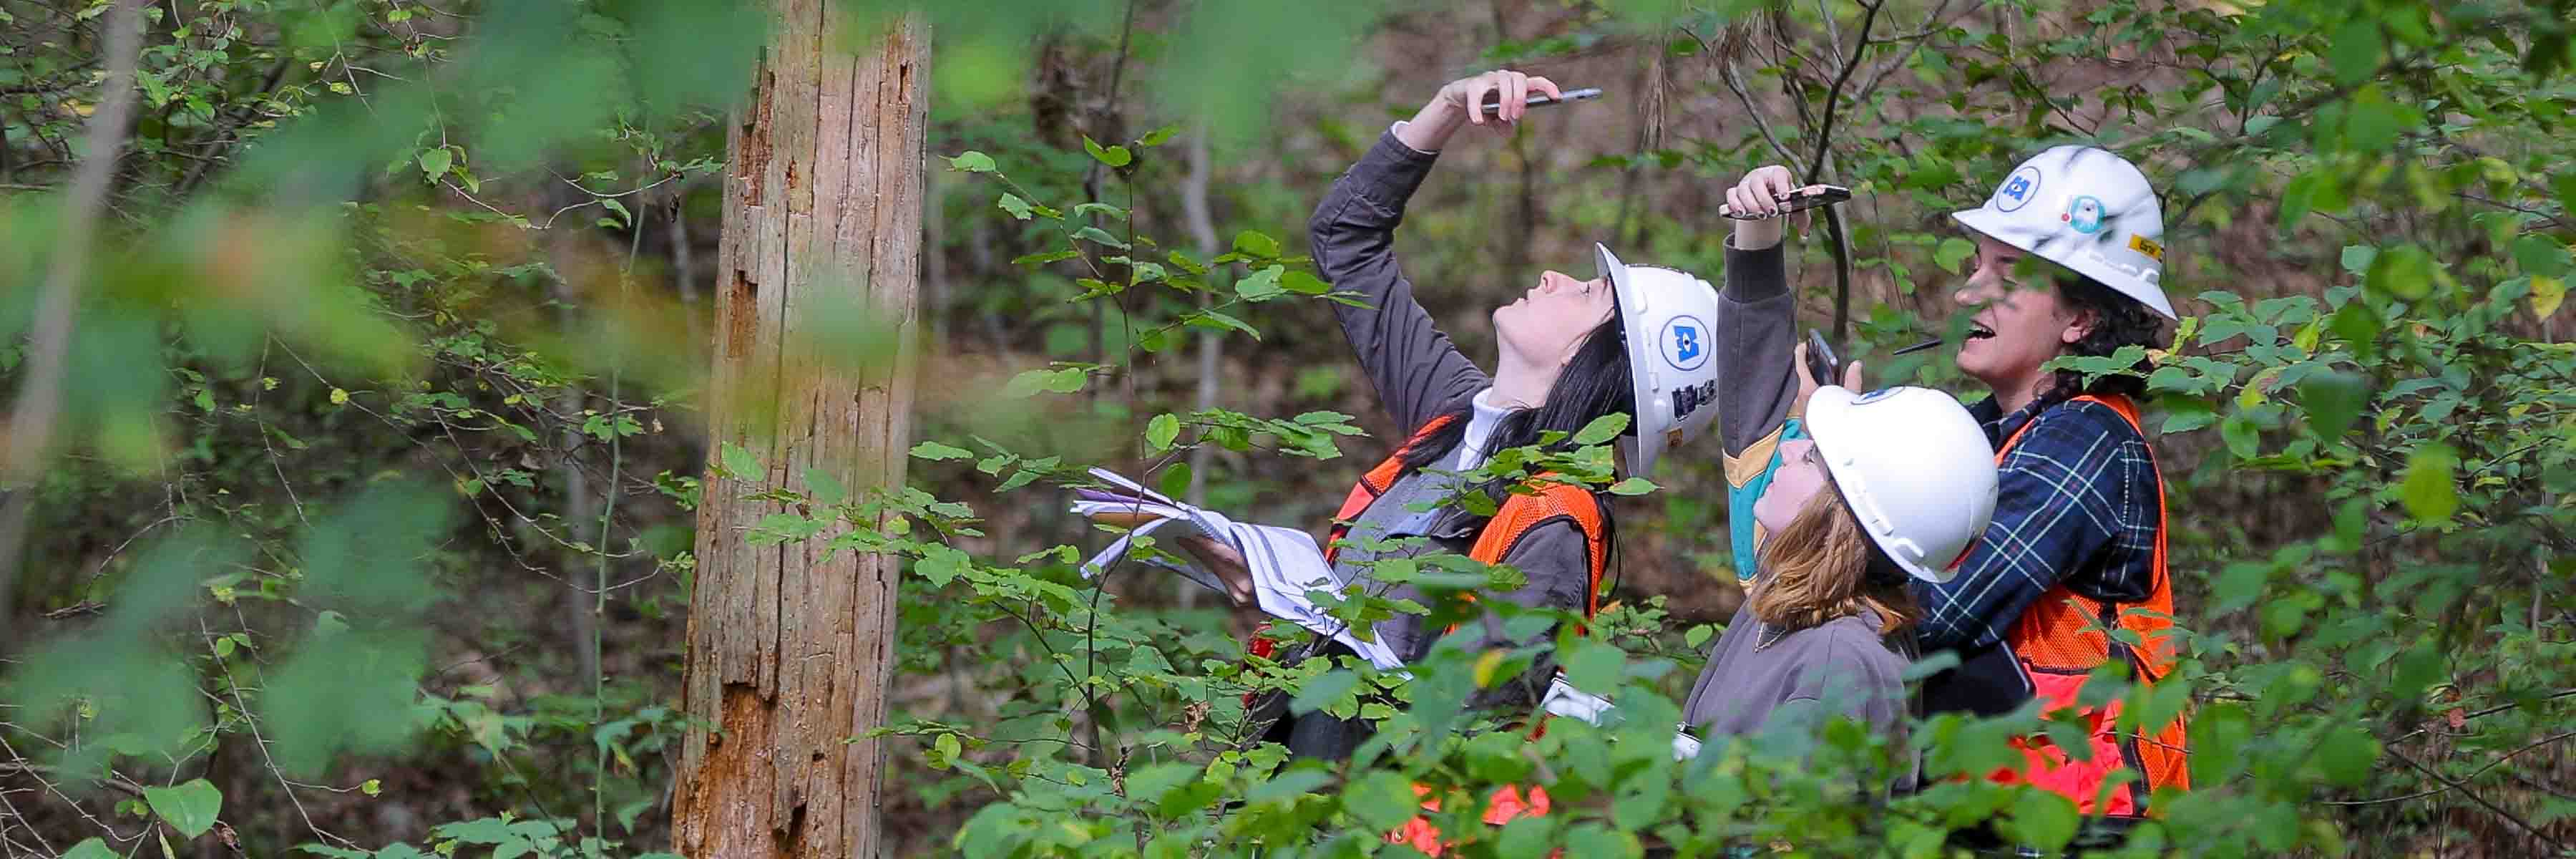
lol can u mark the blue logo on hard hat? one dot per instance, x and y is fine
(2017, 190)
(1685, 342)
(2084, 215)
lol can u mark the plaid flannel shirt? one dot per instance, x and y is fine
(2076, 505)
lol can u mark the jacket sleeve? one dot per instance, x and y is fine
(1558, 564)
(1417, 373)
(1757, 324)
(2061, 500)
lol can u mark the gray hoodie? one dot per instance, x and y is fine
(1841, 667)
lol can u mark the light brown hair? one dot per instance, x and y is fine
(1817, 570)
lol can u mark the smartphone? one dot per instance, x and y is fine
(1822, 363)
(1539, 99)
(1799, 200)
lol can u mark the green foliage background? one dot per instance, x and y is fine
(367, 530)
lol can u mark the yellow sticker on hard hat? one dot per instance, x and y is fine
(2147, 246)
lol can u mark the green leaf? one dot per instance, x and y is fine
(1220, 321)
(2334, 400)
(1602, 429)
(826, 488)
(1029, 382)
(1593, 666)
(95, 849)
(1162, 431)
(1114, 156)
(1013, 204)
(1047, 257)
(435, 162)
(1288, 785)
(189, 808)
(1632, 486)
(2355, 50)
(1098, 236)
(1322, 691)
(1301, 283)
(2043, 819)
(1261, 285)
(2428, 489)
(738, 463)
(2405, 272)
(972, 161)
(1159, 136)
(1952, 252)
(2347, 754)
(2243, 438)
(1256, 244)
(2356, 258)
(936, 452)
(1382, 800)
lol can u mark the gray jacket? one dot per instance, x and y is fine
(1418, 376)
(1842, 667)
(1754, 671)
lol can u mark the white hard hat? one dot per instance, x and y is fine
(1667, 316)
(1915, 468)
(2088, 210)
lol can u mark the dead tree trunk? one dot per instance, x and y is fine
(789, 651)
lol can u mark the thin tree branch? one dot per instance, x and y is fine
(2472, 773)
(1833, 95)
(2481, 800)
(31, 423)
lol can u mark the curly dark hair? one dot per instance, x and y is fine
(2118, 321)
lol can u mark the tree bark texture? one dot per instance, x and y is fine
(789, 651)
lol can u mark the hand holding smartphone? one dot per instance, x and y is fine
(1822, 364)
(1799, 200)
(1540, 99)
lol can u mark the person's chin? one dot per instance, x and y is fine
(1974, 362)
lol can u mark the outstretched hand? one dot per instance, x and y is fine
(1758, 195)
(1462, 101)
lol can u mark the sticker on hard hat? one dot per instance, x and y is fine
(1874, 396)
(2084, 214)
(2148, 247)
(2017, 190)
(1685, 343)
(1689, 398)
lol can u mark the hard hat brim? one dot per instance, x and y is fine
(1642, 447)
(1829, 425)
(1994, 225)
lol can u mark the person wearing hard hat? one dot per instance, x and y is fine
(1889, 486)
(1631, 339)
(2069, 262)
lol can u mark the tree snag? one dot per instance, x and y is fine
(789, 651)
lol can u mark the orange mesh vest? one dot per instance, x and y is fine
(1517, 516)
(1514, 519)
(2054, 645)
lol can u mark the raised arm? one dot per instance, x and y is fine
(1757, 324)
(1417, 372)
(1757, 327)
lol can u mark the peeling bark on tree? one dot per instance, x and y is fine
(789, 651)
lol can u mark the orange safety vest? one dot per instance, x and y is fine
(1515, 518)
(2055, 646)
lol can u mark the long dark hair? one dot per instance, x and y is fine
(2118, 321)
(1595, 382)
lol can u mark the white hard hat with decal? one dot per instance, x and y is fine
(1667, 317)
(2087, 209)
(1914, 467)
